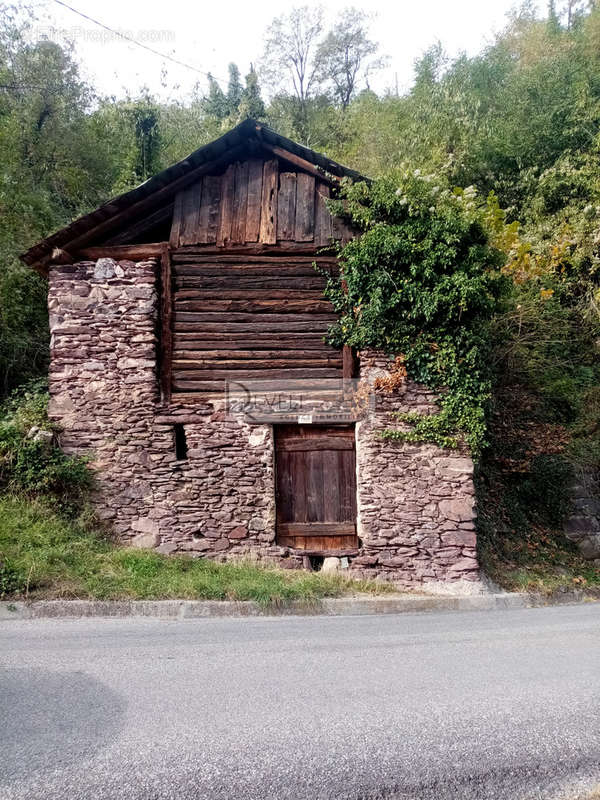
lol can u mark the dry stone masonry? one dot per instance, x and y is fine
(415, 502)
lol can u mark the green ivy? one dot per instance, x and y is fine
(422, 280)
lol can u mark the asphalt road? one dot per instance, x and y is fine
(502, 704)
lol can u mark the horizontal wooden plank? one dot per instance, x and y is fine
(251, 329)
(338, 546)
(257, 307)
(213, 354)
(239, 283)
(129, 252)
(235, 293)
(195, 255)
(315, 443)
(263, 363)
(309, 431)
(255, 319)
(291, 373)
(316, 528)
(190, 340)
(251, 270)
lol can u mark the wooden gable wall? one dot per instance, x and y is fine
(255, 201)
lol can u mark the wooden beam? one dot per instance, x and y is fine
(129, 234)
(61, 256)
(166, 332)
(130, 252)
(302, 163)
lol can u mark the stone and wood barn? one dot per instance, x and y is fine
(202, 276)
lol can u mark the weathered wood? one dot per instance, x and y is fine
(227, 200)
(129, 252)
(286, 206)
(138, 229)
(296, 293)
(323, 228)
(158, 198)
(166, 337)
(315, 470)
(316, 528)
(60, 256)
(208, 220)
(348, 361)
(329, 357)
(196, 256)
(294, 362)
(188, 285)
(177, 220)
(252, 329)
(316, 319)
(268, 219)
(192, 202)
(240, 203)
(281, 306)
(262, 249)
(287, 373)
(190, 340)
(315, 443)
(305, 208)
(266, 270)
(298, 161)
(255, 179)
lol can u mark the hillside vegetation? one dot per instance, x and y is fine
(513, 132)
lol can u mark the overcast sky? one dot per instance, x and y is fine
(208, 35)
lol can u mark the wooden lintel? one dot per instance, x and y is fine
(130, 252)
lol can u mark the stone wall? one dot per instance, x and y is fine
(415, 502)
(583, 524)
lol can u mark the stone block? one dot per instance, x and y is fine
(146, 541)
(459, 510)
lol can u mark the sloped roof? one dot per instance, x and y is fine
(246, 132)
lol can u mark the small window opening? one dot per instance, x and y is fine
(316, 562)
(181, 449)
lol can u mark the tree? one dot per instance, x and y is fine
(251, 104)
(290, 61)
(345, 55)
(234, 90)
(215, 104)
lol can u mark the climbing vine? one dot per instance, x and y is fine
(422, 281)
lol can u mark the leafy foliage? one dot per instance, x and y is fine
(422, 280)
(31, 462)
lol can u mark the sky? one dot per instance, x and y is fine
(208, 35)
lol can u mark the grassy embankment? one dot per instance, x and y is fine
(42, 555)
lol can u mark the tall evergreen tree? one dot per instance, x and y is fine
(252, 104)
(234, 90)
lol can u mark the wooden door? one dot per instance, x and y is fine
(316, 487)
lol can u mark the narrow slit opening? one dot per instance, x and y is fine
(180, 442)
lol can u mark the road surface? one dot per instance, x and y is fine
(502, 704)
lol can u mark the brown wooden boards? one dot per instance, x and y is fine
(315, 487)
(246, 318)
(268, 217)
(254, 201)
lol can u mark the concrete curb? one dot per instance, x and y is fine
(344, 606)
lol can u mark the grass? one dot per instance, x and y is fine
(44, 556)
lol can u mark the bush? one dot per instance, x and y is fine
(31, 461)
(423, 281)
(12, 581)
